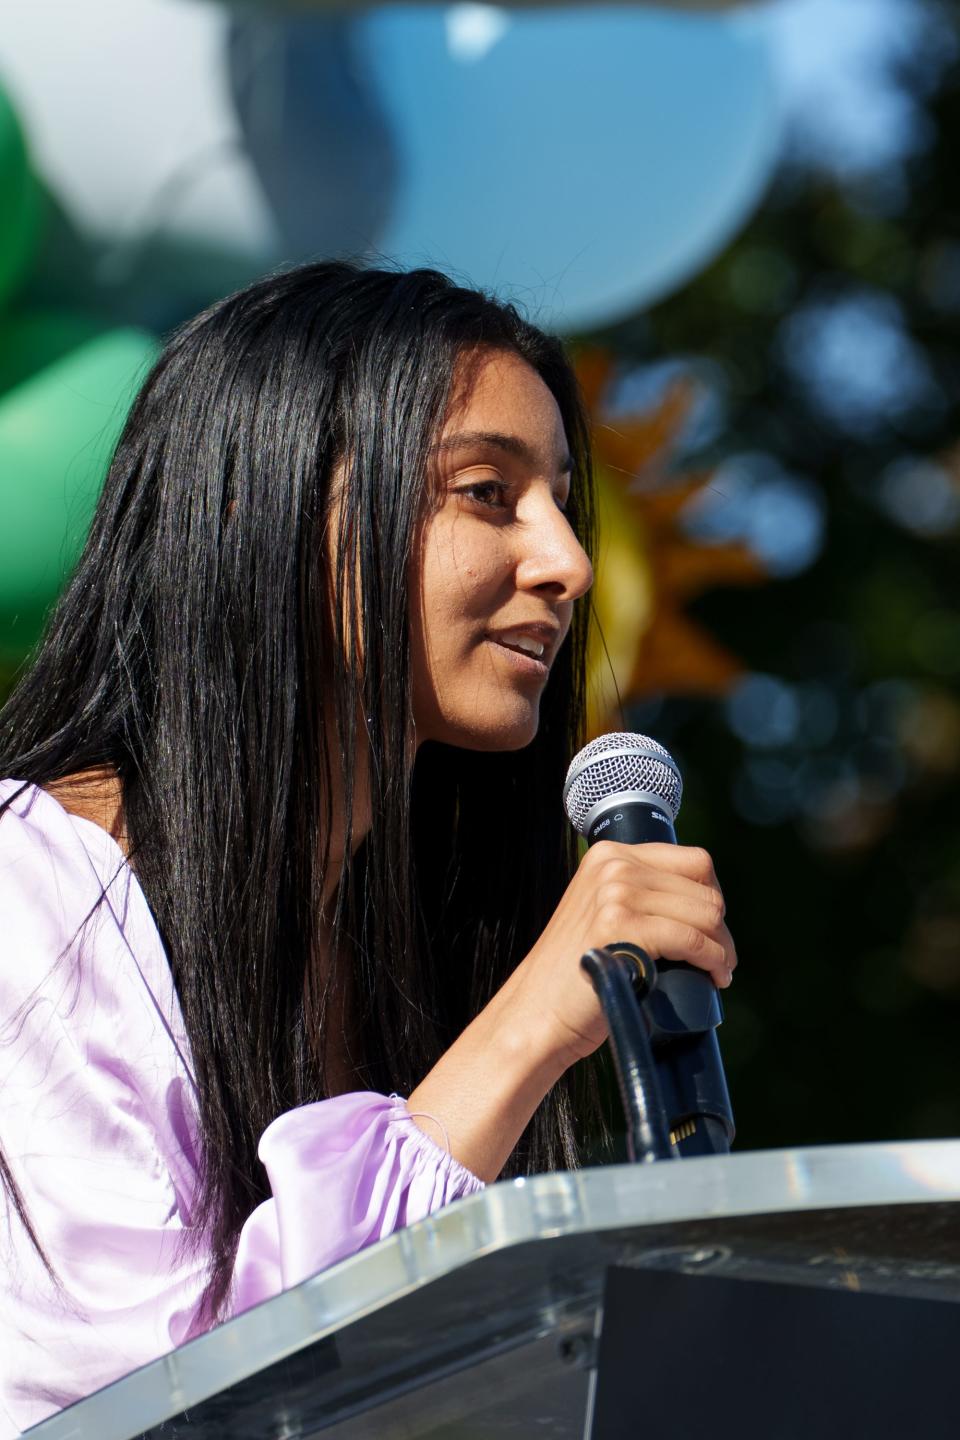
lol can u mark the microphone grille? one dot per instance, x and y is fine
(620, 762)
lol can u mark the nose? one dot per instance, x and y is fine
(552, 560)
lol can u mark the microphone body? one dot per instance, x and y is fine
(682, 1010)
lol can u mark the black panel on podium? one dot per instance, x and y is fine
(727, 1358)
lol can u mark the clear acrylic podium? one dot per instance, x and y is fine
(488, 1320)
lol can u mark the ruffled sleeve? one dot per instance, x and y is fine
(99, 1126)
(344, 1173)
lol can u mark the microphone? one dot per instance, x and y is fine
(627, 788)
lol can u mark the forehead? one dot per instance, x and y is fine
(498, 392)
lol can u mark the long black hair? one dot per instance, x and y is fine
(193, 654)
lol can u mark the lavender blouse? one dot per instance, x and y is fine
(98, 1123)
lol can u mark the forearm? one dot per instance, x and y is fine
(546, 1017)
(484, 1090)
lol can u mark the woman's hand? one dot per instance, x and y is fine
(483, 1091)
(664, 898)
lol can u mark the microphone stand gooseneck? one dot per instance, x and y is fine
(662, 1021)
(620, 977)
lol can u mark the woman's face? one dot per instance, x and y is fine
(498, 566)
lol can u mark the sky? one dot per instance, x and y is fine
(837, 63)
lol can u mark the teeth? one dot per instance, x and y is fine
(524, 643)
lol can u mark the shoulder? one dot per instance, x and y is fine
(53, 869)
(97, 1116)
(79, 943)
(68, 894)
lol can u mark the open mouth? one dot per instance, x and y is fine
(524, 645)
(525, 655)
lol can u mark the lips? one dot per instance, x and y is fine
(530, 647)
(518, 640)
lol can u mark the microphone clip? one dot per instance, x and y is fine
(662, 1018)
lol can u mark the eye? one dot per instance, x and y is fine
(491, 494)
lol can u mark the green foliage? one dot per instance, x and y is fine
(20, 202)
(838, 842)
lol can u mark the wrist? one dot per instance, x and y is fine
(531, 1044)
(485, 1089)
(552, 1044)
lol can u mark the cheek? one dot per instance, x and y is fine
(462, 566)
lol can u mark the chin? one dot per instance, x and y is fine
(500, 734)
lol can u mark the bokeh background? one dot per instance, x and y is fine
(746, 219)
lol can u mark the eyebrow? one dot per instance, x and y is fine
(497, 440)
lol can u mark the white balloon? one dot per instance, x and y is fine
(129, 117)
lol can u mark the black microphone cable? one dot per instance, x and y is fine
(622, 975)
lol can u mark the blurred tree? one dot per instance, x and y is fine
(827, 784)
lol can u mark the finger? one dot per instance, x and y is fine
(628, 877)
(730, 950)
(703, 909)
(717, 946)
(688, 860)
(674, 940)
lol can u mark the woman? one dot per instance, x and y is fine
(282, 840)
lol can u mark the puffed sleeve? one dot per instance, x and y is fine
(358, 1162)
(99, 1128)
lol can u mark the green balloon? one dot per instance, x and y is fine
(20, 202)
(58, 431)
(34, 339)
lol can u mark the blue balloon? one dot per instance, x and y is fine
(586, 161)
(314, 129)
